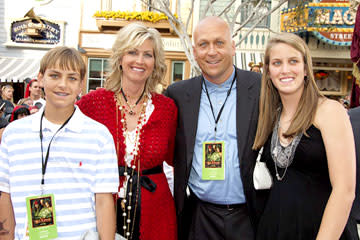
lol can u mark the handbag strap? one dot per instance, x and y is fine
(259, 154)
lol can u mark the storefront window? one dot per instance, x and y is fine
(97, 72)
(328, 80)
(217, 6)
(262, 10)
(333, 77)
(177, 71)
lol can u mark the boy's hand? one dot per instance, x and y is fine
(7, 221)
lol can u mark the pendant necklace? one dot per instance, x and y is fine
(127, 204)
(282, 156)
(132, 106)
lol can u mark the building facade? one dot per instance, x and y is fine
(30, 28)
(327, 27)
(98, 33)
(85, 26)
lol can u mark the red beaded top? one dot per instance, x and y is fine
(157, 135)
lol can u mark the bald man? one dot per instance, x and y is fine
(213, 162)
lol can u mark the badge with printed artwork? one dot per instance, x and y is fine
(213, 164)
(41, 217)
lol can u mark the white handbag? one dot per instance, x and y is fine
(119, 237)
(261, 176)
(90, 235)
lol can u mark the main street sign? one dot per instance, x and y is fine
(331, 21)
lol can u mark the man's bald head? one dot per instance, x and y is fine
(214, 49)
(211, 21)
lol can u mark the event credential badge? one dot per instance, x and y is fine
(213, 164)
(41, 217)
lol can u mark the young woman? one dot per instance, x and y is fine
(143, 125)
(308, 148)
(7, 92)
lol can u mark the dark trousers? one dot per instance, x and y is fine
(207, 221)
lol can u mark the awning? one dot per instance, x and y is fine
(18, 69)
(242, 59)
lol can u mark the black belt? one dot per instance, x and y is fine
(145, 182)
(226, 206)
(223, 206)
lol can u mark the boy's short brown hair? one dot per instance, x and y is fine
(64, 57)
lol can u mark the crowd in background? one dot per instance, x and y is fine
(32, 101)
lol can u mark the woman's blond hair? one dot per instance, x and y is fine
(23, 100)
(270, 100)
(128, 38)
(3, 88)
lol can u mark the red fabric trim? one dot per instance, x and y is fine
(355, 94)
(27, 91)
(14, 110)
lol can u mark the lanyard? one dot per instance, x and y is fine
(222, 107)
(44, 163)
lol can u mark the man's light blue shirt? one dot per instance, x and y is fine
(230, 190)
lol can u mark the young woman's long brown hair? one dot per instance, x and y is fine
(270, 100)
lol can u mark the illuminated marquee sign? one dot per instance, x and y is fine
(331, 21)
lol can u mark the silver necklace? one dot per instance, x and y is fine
(282, 156)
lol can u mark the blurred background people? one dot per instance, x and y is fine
(38, 105)
(3, 121)
(25, 101)
(19, 112)
(7, 95)
(255, 67)
(33, 109)
(7, 92)
(34, 91)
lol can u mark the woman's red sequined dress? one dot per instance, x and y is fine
(158, 219)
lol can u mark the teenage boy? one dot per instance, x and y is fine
(60, 157)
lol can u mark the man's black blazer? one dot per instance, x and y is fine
(186, 95)
(355, 122)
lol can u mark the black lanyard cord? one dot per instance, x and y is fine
(44, 163)
(222, 107)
